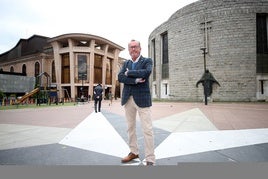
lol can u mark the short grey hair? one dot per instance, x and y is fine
(133, 40)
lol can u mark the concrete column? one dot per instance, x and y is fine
(104, 61)
(72, 59)
(87, 81)
(57, 59)
(91, 67)
(114, 72)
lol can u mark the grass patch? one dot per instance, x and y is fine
(29, 106)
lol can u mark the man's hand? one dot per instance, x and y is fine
(140, 80)
(126, 72)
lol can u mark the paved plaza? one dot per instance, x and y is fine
(184, 132)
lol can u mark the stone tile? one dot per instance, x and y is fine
(252, 153)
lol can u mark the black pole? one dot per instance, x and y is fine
(205, 61)
(204, 52)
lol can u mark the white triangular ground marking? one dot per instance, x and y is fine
(96, 134)
(184, 143)
(134, 162)
(191, 120)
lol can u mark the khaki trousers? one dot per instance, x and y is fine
(131, 110)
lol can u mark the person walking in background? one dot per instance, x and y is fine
(110, 96)
(98, 97)
(136, 97)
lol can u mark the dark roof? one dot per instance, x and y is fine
(12, 73)
(32, 45)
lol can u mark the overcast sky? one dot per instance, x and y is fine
(116, 20)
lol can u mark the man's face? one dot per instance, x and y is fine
(134, 50)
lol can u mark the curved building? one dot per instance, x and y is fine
(83, 61)
(229, 38)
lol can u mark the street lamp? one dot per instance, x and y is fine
(204, 52)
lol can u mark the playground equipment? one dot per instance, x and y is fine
(43, 90)
(23, 98)
(46, 94)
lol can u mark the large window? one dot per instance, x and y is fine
(98, 69)
(262, 43)
(65, 76)
(154, 60)
(109, 71)
(165, 61)
(82, 67)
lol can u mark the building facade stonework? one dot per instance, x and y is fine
(233, 35)
(75, 63)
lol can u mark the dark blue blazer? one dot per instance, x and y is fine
(140, 91)
(98, 92)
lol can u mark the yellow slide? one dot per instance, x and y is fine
(27, 96)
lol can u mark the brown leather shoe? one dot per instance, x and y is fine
(130, 157)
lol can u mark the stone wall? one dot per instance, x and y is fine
(231, 56)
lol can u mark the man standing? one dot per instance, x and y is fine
(136, 97)
(98, 97)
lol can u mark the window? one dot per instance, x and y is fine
(165, 48)
(109, 71)
(23, 69)
(65, 66)
(154, 60)
(155, 89)
(53, 72)
(82, 67)
(11, 69)
(98, 69)
(166, 88)
(262, 43)
(165, 61)
(36, 69)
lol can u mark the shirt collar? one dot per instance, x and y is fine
(136, 60)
